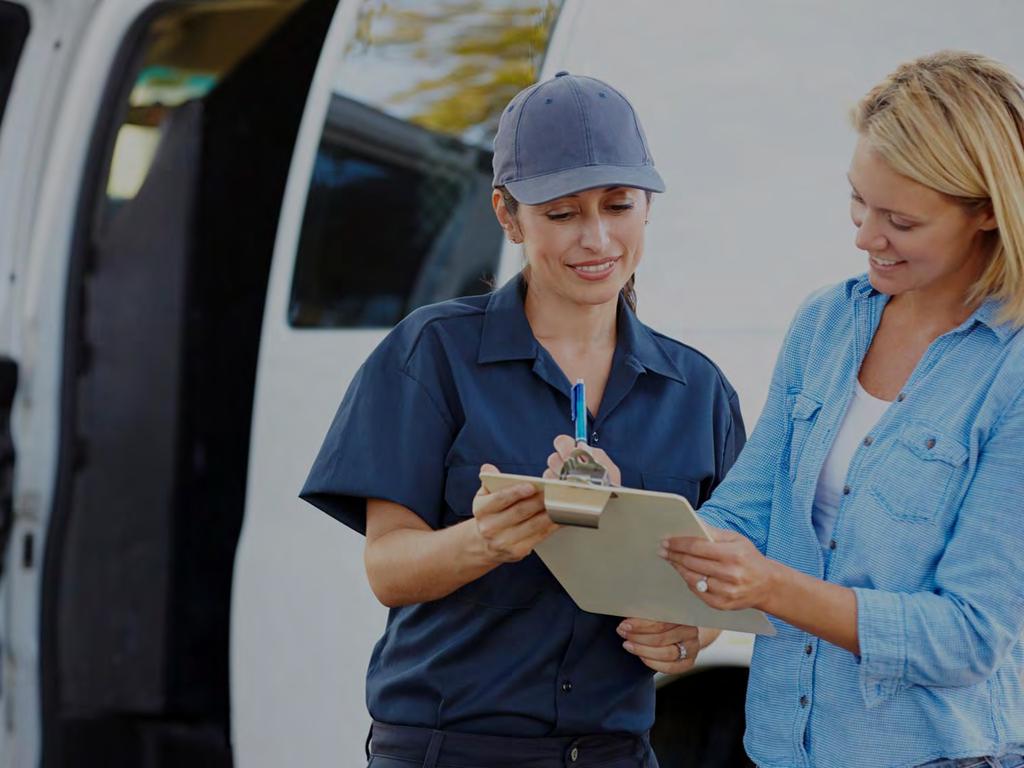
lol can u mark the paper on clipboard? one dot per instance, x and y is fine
(615, 569)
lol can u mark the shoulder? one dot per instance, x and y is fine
(693, 364)
(457, 320)
(829, 303)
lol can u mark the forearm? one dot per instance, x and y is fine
(407, 566)
(828, 611)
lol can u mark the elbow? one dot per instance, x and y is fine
(978, 664)
(383, 589)
(982, 664)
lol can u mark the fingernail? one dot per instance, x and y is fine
(663, 553)
(628, 646)
(626, 626)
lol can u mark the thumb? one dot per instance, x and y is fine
(490, 468)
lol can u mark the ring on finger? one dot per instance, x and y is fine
(702, 584)
(683, 653)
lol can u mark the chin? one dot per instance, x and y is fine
(598, 294)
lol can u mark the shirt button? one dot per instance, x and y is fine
(567, 686)
(900, 397)
(808, 649)
(929, 443)
(574, 755)
(869, 440)
(803, 701)
(593, 438)
(846, 490)
(832, 544)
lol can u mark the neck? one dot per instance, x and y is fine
(554, 319)
(940, 308)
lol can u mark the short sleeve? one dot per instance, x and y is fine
(388, 441)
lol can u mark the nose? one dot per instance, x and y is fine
(594, 233)
(869, 236)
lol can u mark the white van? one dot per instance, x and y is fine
(210, 213)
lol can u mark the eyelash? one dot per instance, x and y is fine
(617, 208)
(898, 227)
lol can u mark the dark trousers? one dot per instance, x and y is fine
(399, 746)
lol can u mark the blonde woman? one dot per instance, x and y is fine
(878, 510)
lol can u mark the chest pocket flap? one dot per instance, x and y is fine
(930, 445)
(804, 407)
(803, 413)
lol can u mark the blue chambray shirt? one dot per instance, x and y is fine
(464, 382)
(929, 535)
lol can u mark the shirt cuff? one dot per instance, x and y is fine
(881, 631)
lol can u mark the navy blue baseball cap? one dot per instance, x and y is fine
(568, 134)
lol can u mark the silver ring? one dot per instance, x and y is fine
(702, 584)
(683, 653)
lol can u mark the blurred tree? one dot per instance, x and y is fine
(475, 55)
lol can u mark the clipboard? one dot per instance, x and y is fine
(605, 554)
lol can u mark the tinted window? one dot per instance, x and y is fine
(398, 212)
(13, 31)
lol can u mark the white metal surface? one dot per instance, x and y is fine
(56, 101)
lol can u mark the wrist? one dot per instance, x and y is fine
(778, 583)
(474, 549)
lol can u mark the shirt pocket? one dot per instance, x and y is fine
(803, 415)
(919, 474)
(511, 585)
(681, 486)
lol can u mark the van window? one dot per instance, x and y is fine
(14, 27)
(398, 212)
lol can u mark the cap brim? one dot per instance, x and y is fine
(541, 189)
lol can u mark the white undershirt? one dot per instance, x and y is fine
(864, 412)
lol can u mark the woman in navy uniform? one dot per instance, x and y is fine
(486, 660)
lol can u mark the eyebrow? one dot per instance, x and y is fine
(883, 210)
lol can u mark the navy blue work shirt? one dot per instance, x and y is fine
(463, 383)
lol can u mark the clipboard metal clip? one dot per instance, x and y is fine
(583, 498)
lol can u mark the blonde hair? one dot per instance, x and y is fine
(954, 122)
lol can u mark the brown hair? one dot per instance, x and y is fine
(628, 291)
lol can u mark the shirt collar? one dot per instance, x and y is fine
(507, 335)
(987, 314)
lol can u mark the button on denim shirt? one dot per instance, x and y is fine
(929, 535)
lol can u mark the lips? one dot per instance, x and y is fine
(594, 270)
(885, 264)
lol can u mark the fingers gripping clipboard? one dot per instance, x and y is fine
(605, 554)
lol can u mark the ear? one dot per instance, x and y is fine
(505, 218)
(987, 221)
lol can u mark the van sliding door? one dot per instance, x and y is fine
(167, 279)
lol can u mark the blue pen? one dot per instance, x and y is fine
(579, 411)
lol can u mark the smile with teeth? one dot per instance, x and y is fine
(594, 268)
(884, 262)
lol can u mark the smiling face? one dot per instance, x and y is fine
(917, 239)
(581, 248)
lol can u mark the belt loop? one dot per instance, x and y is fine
(433, 749)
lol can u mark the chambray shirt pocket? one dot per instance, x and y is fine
(803, 411)
(509, 586)
(919, 474)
